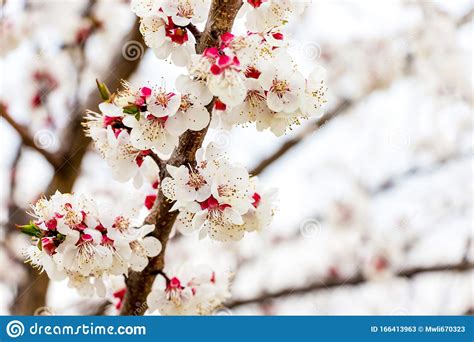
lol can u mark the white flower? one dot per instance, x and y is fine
(195, 87)
(215, 196)
(144, 8)
(144, 247)
(192, 290)
(226, 80)
(87, 286)
(163, 103)
(184, 12)
(283, 85)
(126, 161)
(254, 107)
(186, 185)
(191, 115)
(151, 133)
(262, 15)
(83, 253)
(112, 138)
(231, 185)
(314, 96)
(263, 208)
(41, 260)
(166, 39)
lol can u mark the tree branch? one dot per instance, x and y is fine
(358, 279)
(220, 20)
(307, 131)
(194, 30)
(27, 139)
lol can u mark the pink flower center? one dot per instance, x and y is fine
(212, 204)
(255, 3)
(141, 156)
(174, 284)
(177, 35)
(219, 105)
(252, 72)
(150, 201)
(106, 241)
(51, 224)
(85, 238)
(279, 87)
(48, 245)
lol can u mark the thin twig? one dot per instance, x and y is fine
(340, 108)
(27, 139)
(358, 279)
(194, 30)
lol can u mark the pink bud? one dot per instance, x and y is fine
(215, 69)
(224, 61)
(227, 37)
(48, 245)
(145, 91)
(51, 224)
(211, 52)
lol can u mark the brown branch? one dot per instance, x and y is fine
(466, 18)
(32, 292)
(340, 108)
(393, 181)
(27, 139)
(220, 20)
(358, 279)
(194, 30)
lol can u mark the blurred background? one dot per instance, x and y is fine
(376, 197)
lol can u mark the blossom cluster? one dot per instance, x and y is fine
(252, 76)
(191, 290)
(263, 15)
(164, 25)
(74, 239)
(137, 122)
(217, 198)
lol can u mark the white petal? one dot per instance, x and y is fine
(152, 246)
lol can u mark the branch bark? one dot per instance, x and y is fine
(358, 279)
(220, 20)
(27, 139)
